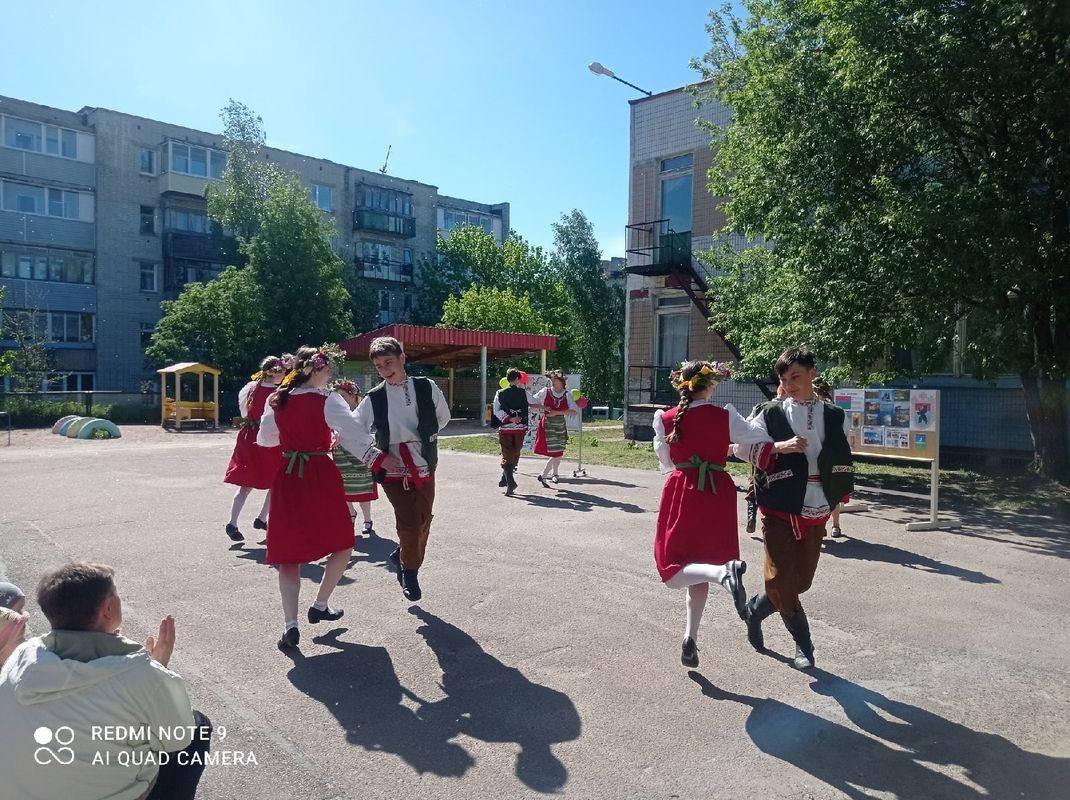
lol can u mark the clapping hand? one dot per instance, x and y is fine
(161, 647)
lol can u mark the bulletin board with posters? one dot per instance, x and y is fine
(896, 423)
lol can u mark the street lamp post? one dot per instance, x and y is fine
(598, 69)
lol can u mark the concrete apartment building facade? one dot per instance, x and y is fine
(130, 214)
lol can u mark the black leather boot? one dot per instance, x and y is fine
(505, 477)
(799, 628)
(758, 608)
(752, 515)
(510, 482)
(410, 585)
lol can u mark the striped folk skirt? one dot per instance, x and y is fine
(359, 485)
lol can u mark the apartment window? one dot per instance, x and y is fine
(148, 220)
(147, 329)
(387, 200)
(148, 161)
(56, 326)
(455, 218)
(50, 139)
(676, 202)
(321, 196)
(179, 219)
(674, 319)
(46, 265)
(37, 200)
(201, 162)
(678, 163)
(148, 272)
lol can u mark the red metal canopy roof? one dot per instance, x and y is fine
(450, 347)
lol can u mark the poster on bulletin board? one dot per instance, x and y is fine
(891, 422)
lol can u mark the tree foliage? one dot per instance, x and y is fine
(290, 292)
(597, 309)
(910, 159)
(489, 309)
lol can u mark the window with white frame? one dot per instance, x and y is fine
(673, 330)
(53, 326)
(321, 196)
(147, 329)
(149, 274)
(200, 162)
(27, 199)
(53, 140)
(181, 219)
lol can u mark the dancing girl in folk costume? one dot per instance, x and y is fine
(359, 484)
(812, 472)
(398, 423)
(252, 466)
(310, 518)
(552, 435)
(510, 413)
(697, 542)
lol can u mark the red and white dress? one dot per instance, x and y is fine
(552, 434)
(697, 515)
(250, 464)
(309, 515)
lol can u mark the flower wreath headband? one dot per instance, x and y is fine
(276, 366)
(345, 385)
(325, 357)
(711, 372)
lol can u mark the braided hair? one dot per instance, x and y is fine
(267, 364)
(300, 374)
(687, 371)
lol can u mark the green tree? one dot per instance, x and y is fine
(488, 309)
(596, 306)
(7, 357)
(219, 323)
(910, 159)
(291, 290)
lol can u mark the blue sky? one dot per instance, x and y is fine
(490, 101)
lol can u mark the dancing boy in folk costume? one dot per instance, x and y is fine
(398, 423)
(552, 435)
(252, 466)
(359, 483)
(511, 413)
(812, 472)
(697, 542)
(309, 518)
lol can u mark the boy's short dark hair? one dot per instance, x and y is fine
(72, 595)
(795, 355)
(385, 346)
(512, 375)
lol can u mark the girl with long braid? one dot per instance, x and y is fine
(309, 517)
(252, 466)
(697, 543)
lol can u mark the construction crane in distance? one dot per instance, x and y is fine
(386, 161)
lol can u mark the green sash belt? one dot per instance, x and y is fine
(703, 467)
(299, 457)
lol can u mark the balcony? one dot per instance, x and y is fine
(384, 270)
(656, 249)
(369, 219)
(180, 183)
(207, 247)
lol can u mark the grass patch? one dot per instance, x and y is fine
(1018, 491)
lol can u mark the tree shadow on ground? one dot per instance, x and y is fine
(894, 748)
(578, 501)
(485, 700)
(862, 550)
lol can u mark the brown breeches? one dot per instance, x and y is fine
(511, 445)
(790, 563)
(413, 511)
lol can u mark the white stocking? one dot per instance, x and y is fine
(238, 503)
(366, 510)
(698, 573)
(264, 509)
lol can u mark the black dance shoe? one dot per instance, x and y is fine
(330, 614)
(689, 653)
(542, 479)
(290, 639)
(734, 583)
(410, 585)
(234, 534)
(758, 608)
(504, 481)
(259, 524)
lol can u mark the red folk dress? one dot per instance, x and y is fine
(697, 526)
(250, 464)
(553, 445)
(309, 515)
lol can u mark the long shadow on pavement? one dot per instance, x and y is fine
(897, 749)
(485, 700)
(376, 552)
(579, 501)
(872, 551)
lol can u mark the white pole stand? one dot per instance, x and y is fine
(933, 523)
(853, 507)
(579, 464)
